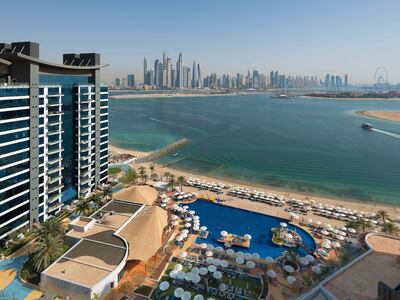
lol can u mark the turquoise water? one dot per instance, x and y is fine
(310, 146)
(16, 289)
(238, 221)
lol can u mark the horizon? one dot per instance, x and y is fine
(305, 39)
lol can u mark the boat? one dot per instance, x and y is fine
(282, 96)
(367, 126)
(175, 154)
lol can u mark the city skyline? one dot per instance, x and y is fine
(309, 38)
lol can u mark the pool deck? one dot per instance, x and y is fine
(360, 281)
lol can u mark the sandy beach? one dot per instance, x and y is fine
(388, 115)
(393, 211)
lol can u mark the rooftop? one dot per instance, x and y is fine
(360, 281)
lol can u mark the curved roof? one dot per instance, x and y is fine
(20, 56)
(5, 62)
(144, 233)
(143, 194)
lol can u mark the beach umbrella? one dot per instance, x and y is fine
(224, 233)
(336, 245)
(310, 258)
(219, 249)
(196, 278)
(248, 256)
(342, 233)
(196, 227)
(224, 264)
(183, 254)
(192, 212)
(181, 275)
(217, 275)
(212, 268)
(318, 222)
(174, 217)
(209, 253)
(188, 277)
(210, 260)
(203, 228)
(188, 225)
(250, 264)
(164, 285)
(269, 260)
(230, 252)
(173, 274)
(283, 224)
(316, 269)
(198, 297)
(351, 230)
(203, 271)
(178, 267)
(309, 221)
(178, 293)
(291, 279)
(210, 247)
(186, 295)
(255, 256)
(179, 238)
(239, 260)
(303, 261)
(240, 254)
(210, 298)
(222, 287)
(340, 238)
(203, 245)
(195, 271)
(343, 228)
(217, 262)
(271, 273)
(288, 268)
(322, 252)
(175, 223)
(324, 232)
(247, 237)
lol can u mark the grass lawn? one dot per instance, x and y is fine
(143, 290)
(114, 170)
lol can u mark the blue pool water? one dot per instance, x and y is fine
(238, 221)
(16, 289)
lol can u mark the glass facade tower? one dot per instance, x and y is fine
(53, 133)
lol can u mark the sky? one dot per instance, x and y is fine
(296, 37)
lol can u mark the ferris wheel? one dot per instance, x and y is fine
(381, 77)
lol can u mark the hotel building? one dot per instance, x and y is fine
(53, 133)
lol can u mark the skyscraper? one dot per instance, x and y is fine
(346, 80)
(131, 80)
(145, 70)
(194, 75)
(179, 71)
(164, 70)
(199, 80)
(54, 133)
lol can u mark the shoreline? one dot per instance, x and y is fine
(386, 115)
(348, 99)
(176, 95)
(370, 206)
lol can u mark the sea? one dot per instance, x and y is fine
(312, 146)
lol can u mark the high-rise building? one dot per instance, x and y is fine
(194, 75)
(169, 72)
(145, 71)
(346, 80)
(54, 133)
(326, 83)
(179, 71)
(131, 80)
(117, 82)
(164, 70)
(199, 80)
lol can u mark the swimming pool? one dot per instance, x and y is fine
(238, 221)
(15, 289)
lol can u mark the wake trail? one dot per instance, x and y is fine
(397, 136)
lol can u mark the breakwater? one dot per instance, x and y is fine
(160, 153)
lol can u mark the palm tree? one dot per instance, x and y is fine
(391, 228)
(363, 224)
(172, 180)
(181, 181)
(107, 192)
(98, 200)
(383, 215)
(130, 177)
(82, 207)
(145, 178)
(46, 251)
(51, 227)
(152, 168)
(142, 172)
(167, 175)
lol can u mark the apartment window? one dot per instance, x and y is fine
(14, 92)
(13, 103)
(14, 147)
(14, 191)
(14, 125)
